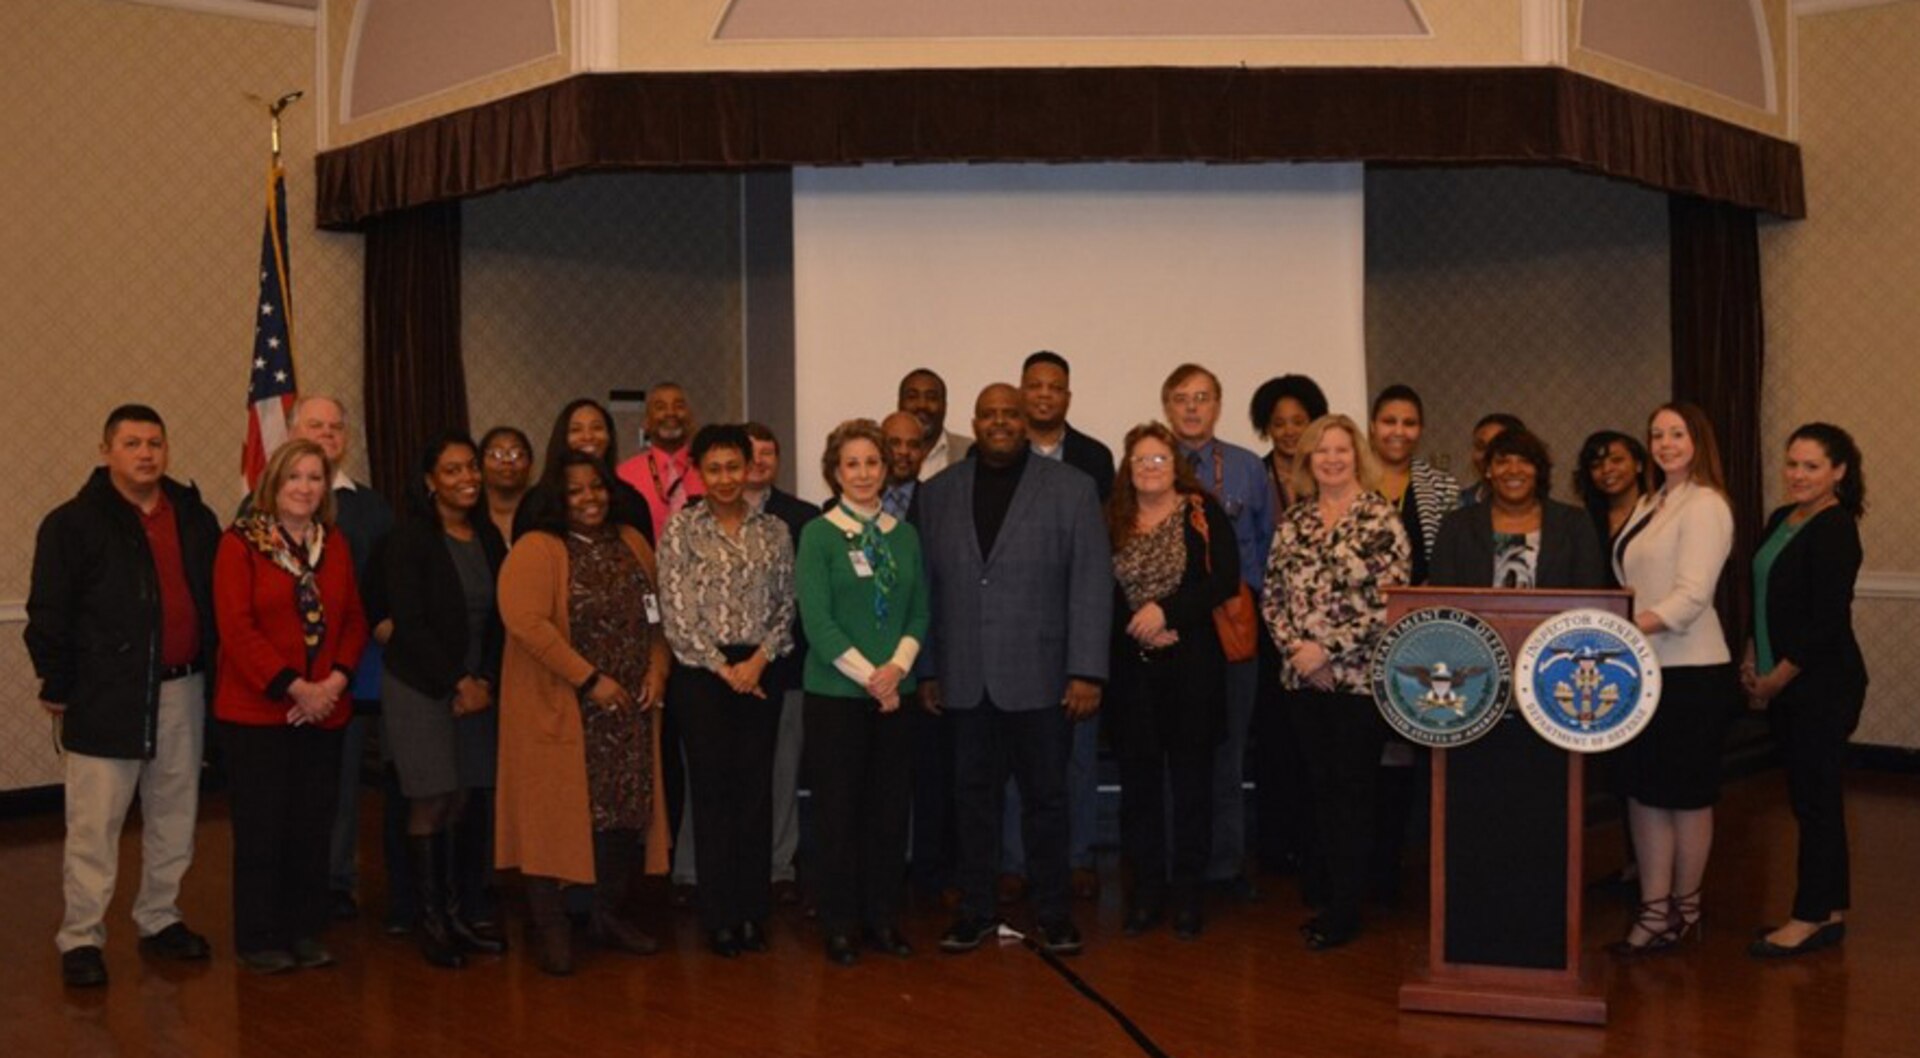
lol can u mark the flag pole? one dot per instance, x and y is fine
(273, 111)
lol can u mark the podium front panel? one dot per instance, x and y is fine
(1506, 850)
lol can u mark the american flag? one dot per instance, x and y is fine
(271, 391)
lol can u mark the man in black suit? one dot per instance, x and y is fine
(1046, 392)
(782, 680)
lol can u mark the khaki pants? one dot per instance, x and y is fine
(99, 791)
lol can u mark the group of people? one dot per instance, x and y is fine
(614, 667)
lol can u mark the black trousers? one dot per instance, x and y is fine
(730, 741)
(1147, 782)
(283, 782)
(1811, 734)
(1283, 800)
(1340, 736)
(1032, 746)
(935, 847)
(858, 764)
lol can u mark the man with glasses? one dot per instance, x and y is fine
(1237, 480)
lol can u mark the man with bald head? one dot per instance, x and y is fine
(1022, 586)
(365, 517)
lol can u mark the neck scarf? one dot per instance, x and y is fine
(264, 533)
(879, 554)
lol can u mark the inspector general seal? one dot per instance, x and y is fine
(1441, 676)
(1587, 681)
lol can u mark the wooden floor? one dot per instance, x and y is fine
(1248, 987)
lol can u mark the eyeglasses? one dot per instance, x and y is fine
(1154, 460)
(506, 455)
(1191, 400)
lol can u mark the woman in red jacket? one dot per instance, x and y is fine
(291, 631)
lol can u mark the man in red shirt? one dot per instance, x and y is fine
(120, 628)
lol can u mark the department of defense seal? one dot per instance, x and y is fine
(1441, 676)
(1587, 681)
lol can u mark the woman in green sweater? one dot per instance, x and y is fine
(863, 603)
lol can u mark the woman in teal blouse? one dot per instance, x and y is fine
(863, 604)
(1803, 665)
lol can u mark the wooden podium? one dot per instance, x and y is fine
(1508, 809)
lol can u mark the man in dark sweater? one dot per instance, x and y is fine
(121, 630)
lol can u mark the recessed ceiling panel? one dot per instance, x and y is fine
(893, 19)
(1722, 46)
(403, 50)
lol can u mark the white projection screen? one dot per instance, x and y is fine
(1126, 270)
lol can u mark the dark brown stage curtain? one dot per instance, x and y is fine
(416, 384)
(1719, 352)
(779, 119)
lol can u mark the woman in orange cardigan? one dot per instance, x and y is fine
(584, 670)
(291, 631)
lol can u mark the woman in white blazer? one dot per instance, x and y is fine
(1670, 554)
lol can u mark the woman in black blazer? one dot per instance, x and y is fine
(1803, 665)
(442, 664)
(1518, 538)
(1175, 559)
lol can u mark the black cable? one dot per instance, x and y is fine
(1135, 1032)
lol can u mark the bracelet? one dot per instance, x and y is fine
(592, 681)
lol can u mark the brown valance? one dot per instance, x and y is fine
(1532, 116)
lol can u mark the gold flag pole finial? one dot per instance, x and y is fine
(274, 110)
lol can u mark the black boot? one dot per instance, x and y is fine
(614, 853)
(426, 853)
(464, 867)
(552, 933)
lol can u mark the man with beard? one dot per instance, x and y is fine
(906, 451)
(1046, 393)
(924, 394)
(1022, 583)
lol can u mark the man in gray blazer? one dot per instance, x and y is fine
(1022, 583)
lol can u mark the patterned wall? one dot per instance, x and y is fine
(602, 282)
(1842, 317)
(133, 182)
(1534, 291)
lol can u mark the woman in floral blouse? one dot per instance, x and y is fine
(726, 579)
(1334, 554)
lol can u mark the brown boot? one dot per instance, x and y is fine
(552, 934)
(614, 854)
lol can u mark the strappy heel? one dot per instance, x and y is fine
(1686, 918)
(1656, 919)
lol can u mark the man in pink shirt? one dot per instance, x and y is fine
(662, 472)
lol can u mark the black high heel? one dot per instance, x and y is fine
(1828, 935)
(1656, 918)
(1687, 918)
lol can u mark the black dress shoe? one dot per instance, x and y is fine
(1140, 918)
(83, 967)
(1188, 923)
(1061, 937)
(753, 936)
(177, 942)
(1826, 936)
(840, 950)
(1329, 931)
(724, 942)
(966, 934)
(268, 961)
(889, 941)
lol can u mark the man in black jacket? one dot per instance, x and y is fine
(121, 630)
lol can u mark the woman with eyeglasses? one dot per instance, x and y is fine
(1174, 561)
(506, 470)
